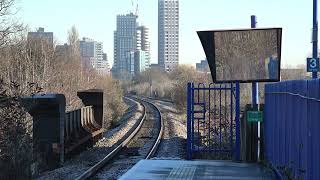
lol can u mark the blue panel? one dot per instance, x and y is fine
(309, 131)
(316, 164)
(278, 128)
(282, 125)
(292, 127)
(304, 128)
(317, 133)
(313, 128)
(266, 123)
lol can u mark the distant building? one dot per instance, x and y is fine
(98, 62)
(125, 41)
(105, 57)
(130, 63)
(41, 35)
(92, 55)
(130, 40)
(168, 34)
(102, 67)
(62, 50)
(143, 31)
(154, 67)
(87, 51)
(140, 61)
(203, 66)
(105, 60)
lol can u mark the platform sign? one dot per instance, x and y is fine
(254, 116)
(313, 65)
(243, 55)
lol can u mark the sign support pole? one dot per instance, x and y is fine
(255, 99)
(255, 86)
(315, 36)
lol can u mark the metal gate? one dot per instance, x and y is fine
(213, 114)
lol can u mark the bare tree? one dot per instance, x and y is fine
(170, 86)
(31, 65)
(8, 23)
(73, 41)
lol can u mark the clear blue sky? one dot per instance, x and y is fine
(97, 19)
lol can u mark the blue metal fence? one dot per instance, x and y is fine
(292, 127)
(213, 120)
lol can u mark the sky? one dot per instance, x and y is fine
(96, 19)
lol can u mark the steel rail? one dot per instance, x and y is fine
(95, 168)
(157, 142)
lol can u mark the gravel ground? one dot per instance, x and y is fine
(173, 144)
(77, 165)
(137, 149)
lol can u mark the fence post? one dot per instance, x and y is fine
(189, 99)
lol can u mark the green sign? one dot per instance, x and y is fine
(254, 116)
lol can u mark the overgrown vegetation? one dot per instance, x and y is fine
(171, 86)
(15, 133)
(31, 66)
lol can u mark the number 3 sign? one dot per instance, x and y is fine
(312, 64)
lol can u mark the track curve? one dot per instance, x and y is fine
(142, 143)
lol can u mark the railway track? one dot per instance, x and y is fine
(142, 143)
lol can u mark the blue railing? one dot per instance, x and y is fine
(292, 128)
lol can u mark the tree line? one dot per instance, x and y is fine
(29, 66)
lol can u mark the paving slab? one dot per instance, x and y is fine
(196, 169)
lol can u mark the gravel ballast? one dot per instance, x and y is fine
(137, 149)
(173, 144)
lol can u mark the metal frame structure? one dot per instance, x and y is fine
(213, 120)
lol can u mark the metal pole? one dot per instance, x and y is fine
(255, 86)
(238, 146)
(315, 35)
(255, 91)
(189, 99)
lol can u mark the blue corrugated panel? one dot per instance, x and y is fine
(292, 123)
(296, 120)
(266, 124)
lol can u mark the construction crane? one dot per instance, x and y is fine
(135, 8)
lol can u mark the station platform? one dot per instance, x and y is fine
(196, 169)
